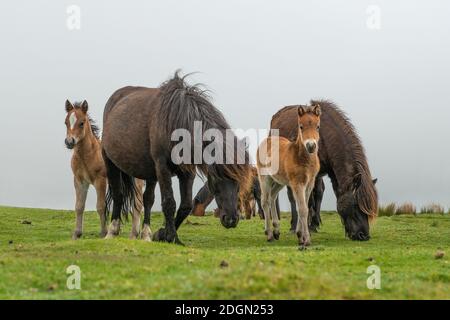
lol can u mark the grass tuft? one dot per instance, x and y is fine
(432, 208)
(406, 208)
(387, 210)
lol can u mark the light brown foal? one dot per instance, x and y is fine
(282, 162)
(88, 167)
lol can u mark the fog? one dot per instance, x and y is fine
(386, 63)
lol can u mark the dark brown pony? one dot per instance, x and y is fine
(138, 141)
(343, 159)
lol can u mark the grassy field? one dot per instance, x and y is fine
(222, 264)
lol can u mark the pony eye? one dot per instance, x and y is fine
(318, 127)
(301, 127)
(81, 124)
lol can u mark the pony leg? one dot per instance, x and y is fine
(100, 189)
(164, 175)
(257, 196)
(149, 199)
(81, 190)
(186, 182)
(114, 183)
(137, 209)
(294, 214)
(315, 204)
(302, 229)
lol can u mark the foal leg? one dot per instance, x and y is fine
(294, 214)
(275, 210)
(302, 229)
(81, 190)
(149, 199)
(136, 210)
(164, 175)
(266, 184)
(100, 189)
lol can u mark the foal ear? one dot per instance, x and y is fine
(69, 106)
(317, 110)
(84, 106)
(301, 111)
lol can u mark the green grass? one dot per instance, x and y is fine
(34, 265)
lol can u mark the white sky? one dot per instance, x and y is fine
(256, 56)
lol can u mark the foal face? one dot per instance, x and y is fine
(76, 123)
(309, 125)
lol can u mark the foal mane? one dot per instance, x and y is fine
(94, 127)
(181, 105)
(366, 193)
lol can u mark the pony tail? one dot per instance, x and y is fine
(126, 188)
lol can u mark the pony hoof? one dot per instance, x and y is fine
(147, 238)
(76, 235)
(305, 243)
(103, 234)
(110, 235)
(302, 248)
(270, 239)
(133, 236)
(276, 235)
(160, 235)
(178, 242)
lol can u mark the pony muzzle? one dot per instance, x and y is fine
(311, 146)
(229, 221)
(70, 142)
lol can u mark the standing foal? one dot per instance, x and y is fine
(88, 167)
(296, 165)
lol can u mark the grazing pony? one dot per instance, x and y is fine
(246, 200)
(201, 201)
(153, 134)
(296, 166)
(342, 158)
(88, 166)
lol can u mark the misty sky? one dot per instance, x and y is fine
(255, 56)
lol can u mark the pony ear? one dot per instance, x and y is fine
(374, 181)
(357, 181)
(301, 111)
(69, 106)
(317, 110)
(84, 106)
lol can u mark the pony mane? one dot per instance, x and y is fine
(366, 194)
(94, 127)
(181, 105)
